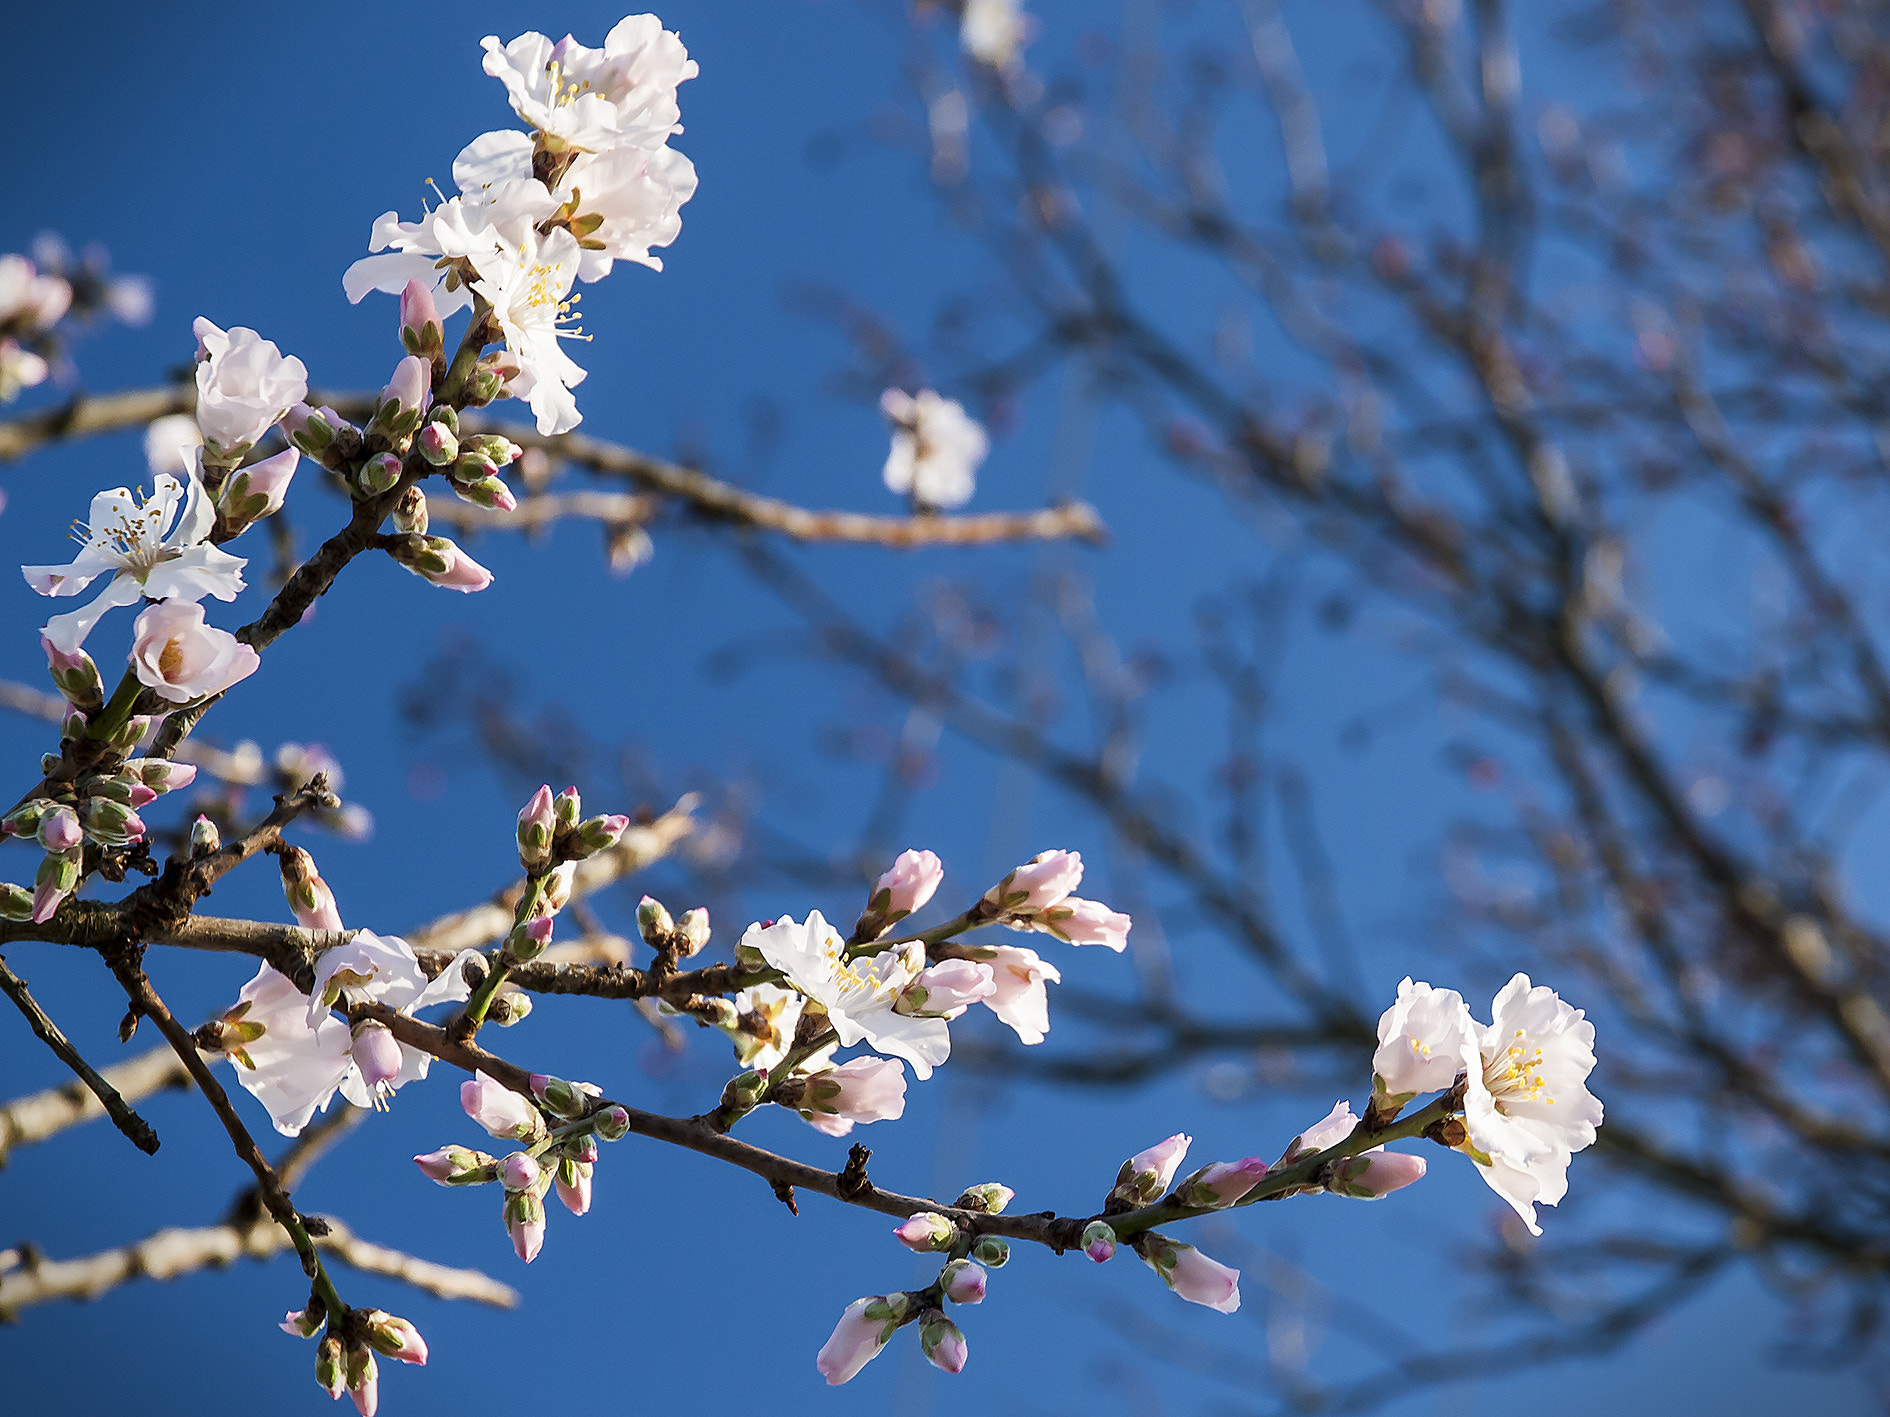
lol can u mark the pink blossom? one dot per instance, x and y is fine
(1146, 1175)
(182, 658)
(254, 492)
(1376, 1174)
(1222, 1183)
(861, 1090)
(1085, 922)
(862, 1331)
(947, 989)
(906, 886)
(1018, 996)
(455, 1166)
(525, 1223)
(1038, 884)
(59, 829)
(1192, 1274)
(377, 1055)
(502, 1112)
(942, 1342)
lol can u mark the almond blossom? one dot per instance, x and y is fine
(179, 657)
(1528, 1108)
(936, 448)
(858, 1337)
(295, 1064)
(859, 995)
(861, 1090)
(1018, 996)
(527, 286)
(153, 548)
(244, 384)
(373, 968)
(1424, 1040)
(1191, 1274)
(577, 97)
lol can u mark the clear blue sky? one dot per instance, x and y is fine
(237, 154)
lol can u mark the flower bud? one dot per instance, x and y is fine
(16, 902)
(130, 734)
(904, 888)
(519, 1172)
(1084, 922)
(742, 1094)
(307, 893)
(420, 330)
(439, 560)
(534, 830)
(558, 887)
(410, 512)
(404, 399)
(204, 837)
(488, 492)
(364, 1379)
(328, 1367)
(566, 807)
(926, 1232)
(57, 878)
(528, 941)
(582, 1148)
(74, 726)
(445, 415)
(377, 475)
(561, 1098)
(510, 1007)
(1329, 1132)
(1375, 1174)
(23, 820)
(858, 1337)
(305, 1323)
(990, 1198)
(1222, 1183)
(496, 368)
(251, 493)
(573, 1185)
(991, 1252)
(59, 828)
(1099, 1241)
(1191, 1274)
(109, 823)
(612, 1124)
(941, 1341)
(1146, 1175)
(377, 1054)
(692, 932)
(394, 1337)
(437, 444)
(525, 1223)
(457, 1166)
(963, 1282)
(309, 430)
(502, 1112)
(597, 834)
(947, 989)
(75, 676)
(160, 774)
(654, 923)
(1041, 882)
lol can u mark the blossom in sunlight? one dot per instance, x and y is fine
(307, 893)
(578, 97)
(858, 1337)
(904, 887)
(942, 1342)
(1081, 922)
(1191, 1274)
(1424, 1040)
(527, 286)
(170, 444)
(1018, 996)
(1222, 1183)
(244, 384)
(947, 989)
(861, 1090)
(498, 214)
(859, 995)
(936, 448)
(1528, 1108)
(292, 1065)
(762, 1024)
(379, 969)
(1376, 1174)
(153, 549)
(1144, 1177)
(178, 656)
(1333, 1128)
(501, 1111)
(994, 32)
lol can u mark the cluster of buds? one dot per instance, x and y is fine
(345, 1359)
(324, 435)
(473, 466)
(1036, 896)
(99, 806)
(672, 939)
(559, 1155)
(552, 833)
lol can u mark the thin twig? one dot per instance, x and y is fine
(127, 1121)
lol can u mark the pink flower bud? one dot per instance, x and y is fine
(613, 1124)
(412, 381)
(1338, 1124)
(364, 1381)
(378, 474)
(947, 989)
(942, 1342)
(904, 888)
(502, 1112)
(1042, 882)
(59, 829)
(963, 1282)
(437, 443)
(311, 430)
(1099, 1241)
(926, 1232)
(46, 898)
(139, 796)
(573, 1184)
(1086, 922)
(1221, 1184)
(1145, 1176)
(395, 1337)
(601, 833)
(519, 1172)
(535, 825)
(525, 1223)
(1376, 1174)
(254, 492)
(305, 1323)
(455, 1166)
(860, 1090)
(420, 328)
(862, 1331)
(377, 1055)
(1192, 1274)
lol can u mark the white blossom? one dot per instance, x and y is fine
(1424, 1040)
(593, 99)
(1019, 998)
(859, 995)
(994, 31)
(527, 286)
(169, 444)
(244, 384)
(295, 1066)
(763, 1030)
(149, 547)
(180, 657)
(1528, 1108)
(383, 969)
(500, 206)
(936, 448)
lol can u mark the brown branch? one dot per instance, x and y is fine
(139, 1131)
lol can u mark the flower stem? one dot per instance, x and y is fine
(488, 988)
(116, 713)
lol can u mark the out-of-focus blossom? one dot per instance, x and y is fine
(170, 443)
(936, 448)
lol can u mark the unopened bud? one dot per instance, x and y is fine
(111, 823)
(437, 444)
(204, 837)
(561, 1098)
(528, 940)
(1375, 1174)
(941, 1341)
(654, 922)
(612, 1124)
(59, 829)
(558, 887)
(410, 512)
(495, 370)
(420, 330)
(160, 774)
(534, 830)
(457, 1166)
(1099, 1240)
(306, 1323)
(566, 808)
(692, 932)
(16, 902)
(378, 474)
(75, 676)
(595, 834)
(519, 1172)
(23, 820)
(488, 492)
(990, 1197)
(927, 1231)
(991, 1251)
(963, 1282)
(525, 1223)
(251, 493)
(309, 430)
(510, 1007)
(328, 1367)
(394, 1337)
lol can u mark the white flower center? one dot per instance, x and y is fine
(1515, 1074)
(562, 90)
(134, 539)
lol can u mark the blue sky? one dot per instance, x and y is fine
(238, 154)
